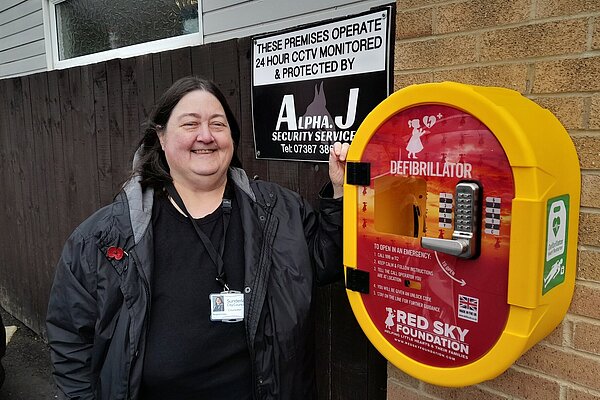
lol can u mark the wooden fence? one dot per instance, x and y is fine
(66, 143)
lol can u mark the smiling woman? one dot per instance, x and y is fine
(198, 147)
(188, 228)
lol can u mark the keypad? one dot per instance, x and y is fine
(464, 210)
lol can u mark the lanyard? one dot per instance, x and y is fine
(217, 258)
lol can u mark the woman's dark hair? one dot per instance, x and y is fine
(151, 163)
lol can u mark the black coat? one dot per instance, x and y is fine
(98, 309)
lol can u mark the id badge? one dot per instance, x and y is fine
(227, 306)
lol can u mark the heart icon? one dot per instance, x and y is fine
(555, 225)
(429, 120)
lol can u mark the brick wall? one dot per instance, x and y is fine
(549, 50)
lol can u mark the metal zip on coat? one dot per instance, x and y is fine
(269, 229)
(269, 234)
(143, 330)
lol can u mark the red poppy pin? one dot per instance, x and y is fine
(115, 252)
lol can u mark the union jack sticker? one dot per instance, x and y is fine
(468, 308)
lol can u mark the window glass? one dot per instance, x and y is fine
(91, 26)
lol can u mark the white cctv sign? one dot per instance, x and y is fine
(349, 47)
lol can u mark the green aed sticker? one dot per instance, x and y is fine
(557, 228)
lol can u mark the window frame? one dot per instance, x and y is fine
(155, 46)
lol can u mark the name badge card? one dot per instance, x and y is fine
(227, 306)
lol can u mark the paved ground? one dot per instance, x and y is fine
(27, 364)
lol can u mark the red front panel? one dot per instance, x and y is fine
(435, 308)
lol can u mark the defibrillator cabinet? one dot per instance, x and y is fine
(461, 211)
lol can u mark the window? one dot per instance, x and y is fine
(86, 31)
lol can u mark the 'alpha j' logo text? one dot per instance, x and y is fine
(316, 115)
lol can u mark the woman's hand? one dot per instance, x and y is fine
(337, 167)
